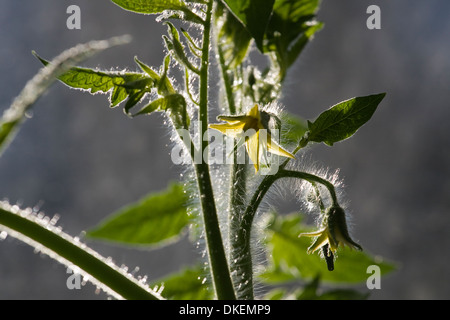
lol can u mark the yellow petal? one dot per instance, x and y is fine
(275, 148)
(311, 234)
(254, 112)
(252, 145)
(319, 243)
(228, 129)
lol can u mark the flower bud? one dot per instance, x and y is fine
(332, 233)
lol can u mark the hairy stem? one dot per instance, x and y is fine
(216, 252)
(238, 254)
(68, 251)
(243, 234)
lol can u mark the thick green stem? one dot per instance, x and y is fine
(238, 255)
(67, 249)
(216, 252)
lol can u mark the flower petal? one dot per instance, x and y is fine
(231, 130)
(234, 119)
(253, 149)
(311, 234)
(319, 242)
(254, 112)
(275, 148)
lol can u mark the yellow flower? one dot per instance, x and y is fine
(332, 233)
(249, 126)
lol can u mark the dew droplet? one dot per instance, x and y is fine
(28, 114)
(3, 235)
(97, 290)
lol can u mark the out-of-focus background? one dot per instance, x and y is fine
(79, 159)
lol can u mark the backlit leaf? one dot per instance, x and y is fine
(233, 38)
(342, 120)
(154, 220)
(254, 15)
(16, 113)
(188, 284)
(119, 85)
(291, 27)
(157, 7)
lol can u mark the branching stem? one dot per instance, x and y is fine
(243, 234)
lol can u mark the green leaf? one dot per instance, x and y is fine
(158, 7)
(34, 88)
(148, 70)
(254, 15)
(312, 291)
(298, 45)
(7, 127)
(189, 284)
(291, 27)
(134, 99)
(344, 119)
(343, 294)
(156, 219)
(175, 104)
(119, 85)
(293, 127)
(150, 6)
(290, 260)
(233, 38)
(176, 48)
(163, 83)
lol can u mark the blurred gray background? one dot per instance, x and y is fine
(79, 159)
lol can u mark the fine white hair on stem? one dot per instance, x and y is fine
(30, 216)
(311, 196)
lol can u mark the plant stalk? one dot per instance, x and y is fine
(217, 259)
(238, 254)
